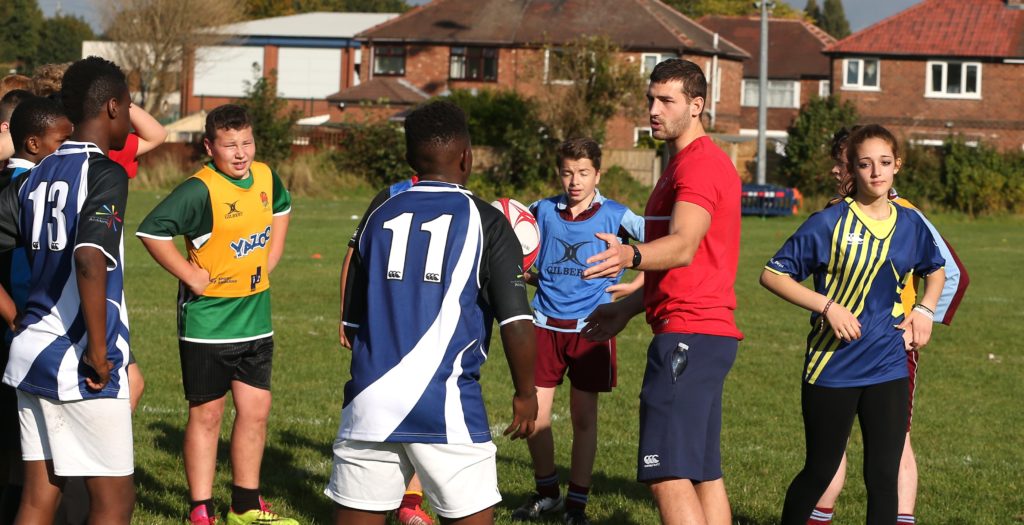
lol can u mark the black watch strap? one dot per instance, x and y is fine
(636, 256)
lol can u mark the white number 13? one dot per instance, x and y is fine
(438, 231)
(56, 227)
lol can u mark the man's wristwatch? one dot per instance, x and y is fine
(636, 256)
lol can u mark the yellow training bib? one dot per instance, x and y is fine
(238, 247)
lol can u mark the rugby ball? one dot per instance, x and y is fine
(524, 224)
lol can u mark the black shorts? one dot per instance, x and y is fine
(207, 369)
(681, 420)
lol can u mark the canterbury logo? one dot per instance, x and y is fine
(854, 238)
(652, 460)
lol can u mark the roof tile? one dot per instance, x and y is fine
(960, 28)
(631, 24)
(794, 46)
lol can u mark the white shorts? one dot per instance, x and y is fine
(91, 437)
(458, 480)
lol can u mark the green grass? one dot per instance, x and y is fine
(968, 422)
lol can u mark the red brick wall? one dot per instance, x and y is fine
(522, 69)
(728, 107)
(997, 118)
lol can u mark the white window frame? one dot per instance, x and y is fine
(929, 93)
(796, 94)
(639, 129)
(824, 88)
(547, 71)
(859, 86)
(661, 57)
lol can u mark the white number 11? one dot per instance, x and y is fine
(438, 231)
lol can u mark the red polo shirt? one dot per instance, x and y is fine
(126, 156)
(698, 298)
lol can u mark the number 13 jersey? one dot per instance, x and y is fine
(434, 266)
(74, 198)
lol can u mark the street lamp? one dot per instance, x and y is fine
(762, 93)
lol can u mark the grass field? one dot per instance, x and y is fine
(968, 425)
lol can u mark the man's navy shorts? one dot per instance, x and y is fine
(681, 422)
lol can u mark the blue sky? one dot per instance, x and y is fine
(861, 13)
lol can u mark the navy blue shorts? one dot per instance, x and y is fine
(681, 420)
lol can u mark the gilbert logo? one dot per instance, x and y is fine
(232, 210)
(854, 238)
(652, 460)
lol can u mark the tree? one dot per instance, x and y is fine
(833, 19)
(808, 158)
(272, 119)
(154, 37)
(269, 8)
(590, 84)
(813, 12)
(21, 22)
(699, 8)
(507, 121)
(61, 39)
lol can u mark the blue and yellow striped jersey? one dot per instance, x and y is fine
(862, 264)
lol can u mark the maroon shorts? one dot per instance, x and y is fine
(591, 365)
(912, 356)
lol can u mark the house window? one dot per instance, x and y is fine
(389, 60)
(473, 63)
(860, 73)
(556, 68)
(824, 88)
(781, 93)
(642, 137)
(953, 80)
(649, 60)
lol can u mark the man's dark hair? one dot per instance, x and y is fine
(88, 84)
(227, 116)
(431, 130)
(11, 101)
(32, 118)
(580, 148)
(692, 76)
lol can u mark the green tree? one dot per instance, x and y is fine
(61, 39)
(808, 161)
(833, 19)
(590, 85)
(269, 8)
(505, 120)
(21, 23)
(699, 8)
(813, 12)
(272, 119)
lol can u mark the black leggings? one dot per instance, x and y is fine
(828, 418)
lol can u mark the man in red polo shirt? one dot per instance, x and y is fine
(689, 260)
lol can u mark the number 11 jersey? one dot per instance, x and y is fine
(434, 266)
(74, 198)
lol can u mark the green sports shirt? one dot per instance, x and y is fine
(187, 211)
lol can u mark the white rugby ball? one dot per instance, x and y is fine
(524, 224)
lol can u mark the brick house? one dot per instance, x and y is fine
(513, 44)
(941, 67)
(798, 68)
(312, 54)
